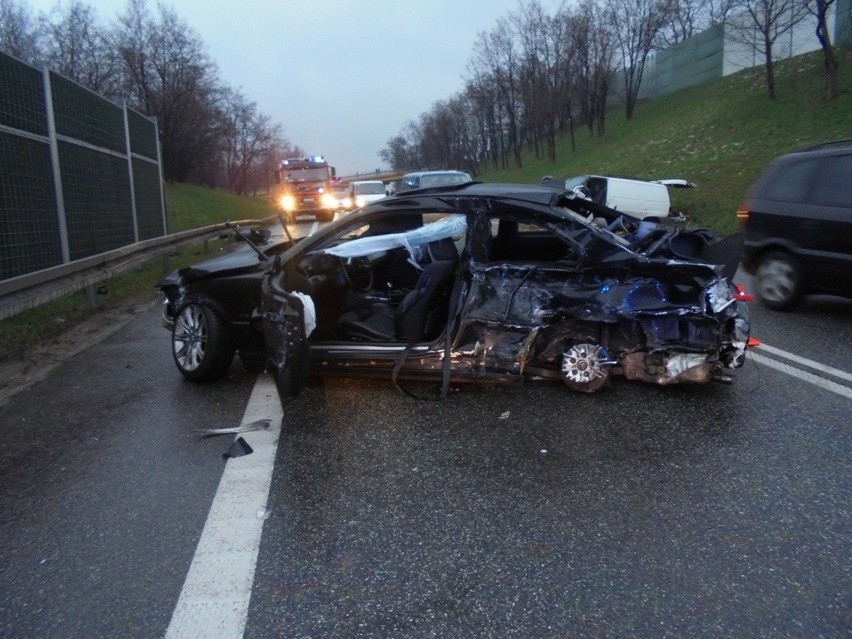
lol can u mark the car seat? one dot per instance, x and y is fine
(420, 311)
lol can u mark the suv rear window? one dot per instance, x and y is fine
(833, 186)
(793, 182)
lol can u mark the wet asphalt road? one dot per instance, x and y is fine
(714, 511)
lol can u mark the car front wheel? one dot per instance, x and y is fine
(778, 281)
(201, 346)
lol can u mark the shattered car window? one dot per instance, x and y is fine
(453, 226)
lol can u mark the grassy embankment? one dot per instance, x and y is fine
(720, 135)
(188, 207)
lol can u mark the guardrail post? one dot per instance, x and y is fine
(92, 296)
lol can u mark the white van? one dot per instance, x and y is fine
(639, 198)
(362, 192)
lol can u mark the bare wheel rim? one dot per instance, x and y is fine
(583, 367)
(190, 337)
(776, 280)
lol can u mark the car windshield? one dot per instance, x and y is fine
(370, 188)
(427, 180)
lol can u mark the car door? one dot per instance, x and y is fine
(285, 333)
(515, 271)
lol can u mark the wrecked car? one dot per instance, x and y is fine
(491, 283)
(210, 308)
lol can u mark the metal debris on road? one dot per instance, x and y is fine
(261, 424)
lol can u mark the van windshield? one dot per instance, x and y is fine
(370, 188)
(574, 182)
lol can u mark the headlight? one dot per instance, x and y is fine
(287, 202)
(719, 296)
(345, 203)
(359, 202)
(329, 201)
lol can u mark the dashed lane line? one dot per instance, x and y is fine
(214, 601)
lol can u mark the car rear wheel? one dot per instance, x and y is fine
(201, 346)
(778, 281)
(584, 367)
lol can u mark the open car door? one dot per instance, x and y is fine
(285, 334)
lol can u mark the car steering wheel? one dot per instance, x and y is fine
(358, 272)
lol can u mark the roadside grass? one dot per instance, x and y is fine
(720, 135)
(188, 207)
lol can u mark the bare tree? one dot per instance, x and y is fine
(635, 25)
(497, 53)
(397, 153)
(78, 48)
(684, 18)
(593, 63)
(719, 10)
(486, 115)
(18, 31)
(247, 137)
(764, 21)
(819, 8)
(170, 75)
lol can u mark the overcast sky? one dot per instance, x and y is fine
(340, 76)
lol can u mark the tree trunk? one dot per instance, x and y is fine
(832, 85)
(770, 71)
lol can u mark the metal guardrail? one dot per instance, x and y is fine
(21, 293)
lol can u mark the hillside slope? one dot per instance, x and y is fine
(720, 135)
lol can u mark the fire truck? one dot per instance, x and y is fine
(304, 188)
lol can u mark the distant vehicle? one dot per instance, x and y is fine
(305, 188)
(798, 226)
(363, 192)
(341, 193)
(494, 283)
(639, 198)
(431, 179)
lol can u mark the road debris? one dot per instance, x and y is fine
(261, 424)
(239, 448)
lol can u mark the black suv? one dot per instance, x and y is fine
(798, 226)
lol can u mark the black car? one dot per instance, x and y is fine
(476, 282)
(798, 226)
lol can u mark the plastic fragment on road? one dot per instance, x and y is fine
(239, 448)
(505, 415)
(261, 424)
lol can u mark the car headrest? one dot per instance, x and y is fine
(443, 249)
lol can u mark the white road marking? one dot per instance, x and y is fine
(805, 362)
(827, 384)
(215, 597)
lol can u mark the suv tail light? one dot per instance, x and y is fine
(742, 217)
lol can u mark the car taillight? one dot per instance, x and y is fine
(741, 295)
(742, 217)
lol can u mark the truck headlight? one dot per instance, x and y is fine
(287, 202)
(329, 201)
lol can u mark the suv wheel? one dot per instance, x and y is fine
(778, 281)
